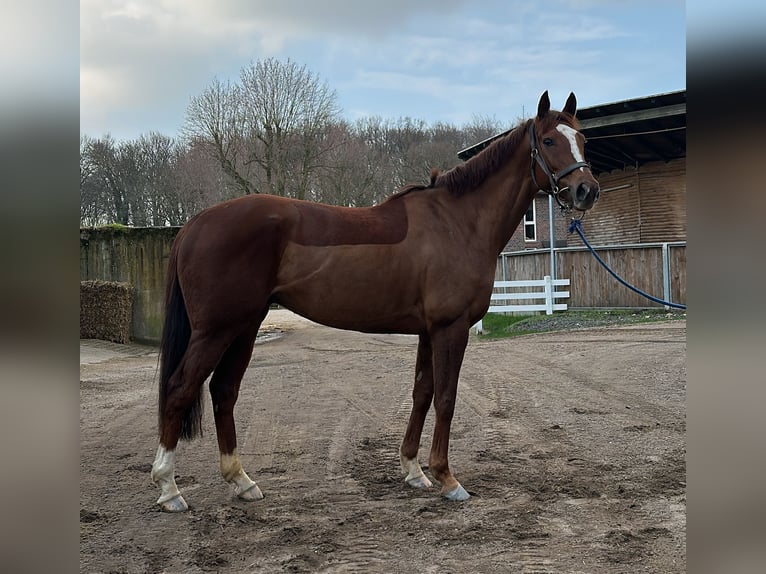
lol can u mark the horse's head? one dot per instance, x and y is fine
(558, 156)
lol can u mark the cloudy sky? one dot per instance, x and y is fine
(437, 60)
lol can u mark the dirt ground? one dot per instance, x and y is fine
(571, 443)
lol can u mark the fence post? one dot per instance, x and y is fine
(552, 235)
(548, 295)
(666, 273)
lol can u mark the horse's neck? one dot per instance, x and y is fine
(502, 200)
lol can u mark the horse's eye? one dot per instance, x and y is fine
(548, 142)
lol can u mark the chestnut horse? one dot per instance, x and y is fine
(422, 262)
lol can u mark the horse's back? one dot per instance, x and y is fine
(325, 225)
(301, 222)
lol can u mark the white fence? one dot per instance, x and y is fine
(505, 292)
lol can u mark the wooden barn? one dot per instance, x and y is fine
(637, 150)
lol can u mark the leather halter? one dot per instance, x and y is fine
(553, 178)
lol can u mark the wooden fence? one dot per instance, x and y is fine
(656, 268)
(505, 291)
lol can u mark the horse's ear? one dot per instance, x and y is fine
(544, 105)
(571, 106)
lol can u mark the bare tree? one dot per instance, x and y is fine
(132, 182)
(352, 174)
(269, 131)
(100, 180)
(156, 155)
(95, 201)
(378, 156)
(481, 128)
(215, 123)
(276, 131)
(130, 168)
(199, 182)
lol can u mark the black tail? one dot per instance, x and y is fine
(176, 332)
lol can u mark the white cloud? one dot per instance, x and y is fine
(138, 51)
(147, 56)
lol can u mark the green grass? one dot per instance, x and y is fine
(498, 326)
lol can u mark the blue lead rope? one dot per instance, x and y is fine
(576, 225)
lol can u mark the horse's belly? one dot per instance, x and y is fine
(365, 288)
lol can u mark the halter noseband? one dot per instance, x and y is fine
(553, 178)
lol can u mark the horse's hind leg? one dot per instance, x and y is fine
(422, 394)
(184, 386)
(224, 389)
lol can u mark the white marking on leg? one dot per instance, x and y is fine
(233, 473)
(458, 494)
(415, 475)
(163, 473)
(571, 135)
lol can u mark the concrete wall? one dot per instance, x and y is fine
(134, 255)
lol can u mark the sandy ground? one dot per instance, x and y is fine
(572, 445)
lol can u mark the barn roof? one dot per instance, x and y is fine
(627, 133)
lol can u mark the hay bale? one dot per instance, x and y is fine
(106, 308)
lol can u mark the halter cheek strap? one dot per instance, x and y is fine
(553, 177)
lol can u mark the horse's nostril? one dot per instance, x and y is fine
(586, 191)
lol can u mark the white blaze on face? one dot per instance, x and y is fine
(571, 135)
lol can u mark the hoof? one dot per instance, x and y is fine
(251, 494)
(458, 494)
(175, 504)
(421, 482)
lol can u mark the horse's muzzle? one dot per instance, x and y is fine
(585, 195)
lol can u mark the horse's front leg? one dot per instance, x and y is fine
(422, 394)
(448, 345)
(224, 390)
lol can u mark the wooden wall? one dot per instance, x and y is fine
(592, 286)
(651, 209)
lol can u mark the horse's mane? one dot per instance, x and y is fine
(472, 173)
